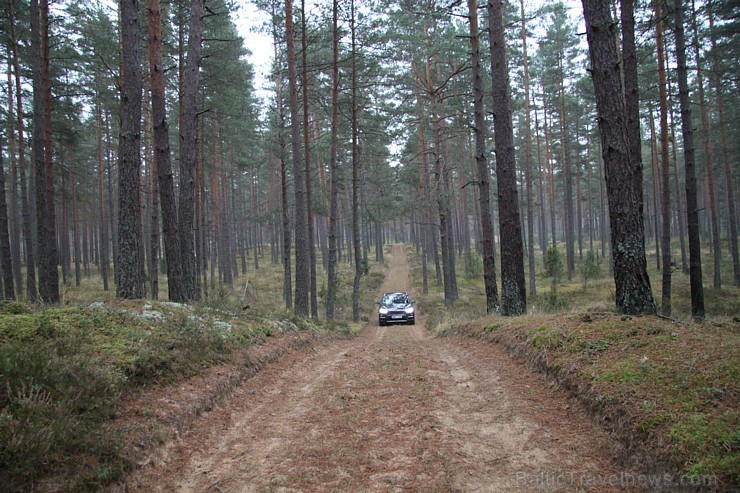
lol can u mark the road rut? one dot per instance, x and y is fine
(393, 409)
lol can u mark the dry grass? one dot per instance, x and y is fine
(668, 388)
(64, 369)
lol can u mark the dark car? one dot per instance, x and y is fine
(396, 308)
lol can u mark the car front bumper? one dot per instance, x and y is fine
(396, 318)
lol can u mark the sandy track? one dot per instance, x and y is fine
(393, 409)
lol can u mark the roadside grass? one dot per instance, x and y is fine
(667, 388)
(65, 370)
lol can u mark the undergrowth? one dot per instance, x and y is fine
(65, 370)
(668, 387)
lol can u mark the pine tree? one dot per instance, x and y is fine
(623, 174)
(513, 288)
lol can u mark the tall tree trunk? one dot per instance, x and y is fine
(423, 193)
(103, 238)
(15, 234)
(302, 268)
(188, 151)
(162, 172)
(679, 217)
(5, 257)
(285, 232)
(334, 189)
(109, 180)
(313, 296)
(528, 156)
(447, 196)
(63, 240)
(623, 172)
(708, 155)
(439, 170)
(513, 288)
(38, 152)
(550, 172)
(726, 160)
(52, 262)
(355, 176)
(589, 182)
(480, 130)
(129, 282)
(542, 180)
(76, 233)
(687, 129)
(656, 186)
(150, 190)
(27, 216)
(568, 215)
(664, 164)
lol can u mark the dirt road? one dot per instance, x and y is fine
(393, 409)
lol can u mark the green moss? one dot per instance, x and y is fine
(595, 346)
(623, 372)
(656, 420)
(491, 327)
(546, 337)
(709, 445)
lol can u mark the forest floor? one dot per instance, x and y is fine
(392, 409)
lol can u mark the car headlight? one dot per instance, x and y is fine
(409, 310)
(383, 311)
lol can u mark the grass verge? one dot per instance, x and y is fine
(668, 391)
(75, 409)
(65, 371)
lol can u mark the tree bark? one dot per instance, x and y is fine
(355, 176)
(708, 155)
(14, 225)
(513, 287)
(570, 256)
(623, 173)
(5, 257)
(480, 131)
(528, 156)
(31, 286)
(128, 275)
(664, 164)
(302, 268)
(726, 160)
(334, 190)
(38, 151)
(162, 172)
(103, 238)
(76, 224)
(313, 296)
(687, 129)
(656, 186)
(188, 151)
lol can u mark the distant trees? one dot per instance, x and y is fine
(385, 133)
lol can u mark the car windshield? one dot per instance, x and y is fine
(395, 298)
